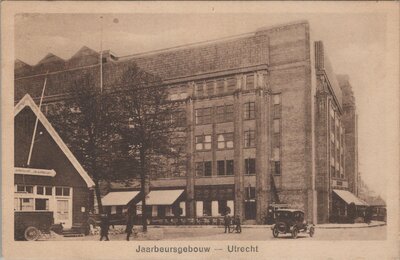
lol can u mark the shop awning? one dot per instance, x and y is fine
(349, 197)
(119, 198)
(162, 197)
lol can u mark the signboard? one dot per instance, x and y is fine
(36, 172)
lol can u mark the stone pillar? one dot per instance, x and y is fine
(262, 153)
(238, 151)
(322, 153)
(190, 203)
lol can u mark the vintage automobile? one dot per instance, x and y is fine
(31, 225)
(291, 221)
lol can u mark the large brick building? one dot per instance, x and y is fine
(267, 119)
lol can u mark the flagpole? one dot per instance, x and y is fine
(37, 120)
(101, 54)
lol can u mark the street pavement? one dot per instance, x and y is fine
(261, 233)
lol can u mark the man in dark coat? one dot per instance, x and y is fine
(104, 225)
(129, 225)
(227, 222)
(238, 227)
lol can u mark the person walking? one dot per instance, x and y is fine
(129, 225)
(238, 227)
(227, 222)
(104, 225)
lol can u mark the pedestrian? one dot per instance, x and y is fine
(129, 225)
(238, 225)
(104, 225)
(227, 222)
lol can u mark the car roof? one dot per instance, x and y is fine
(290, 210)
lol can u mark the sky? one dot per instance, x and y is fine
(355, 44)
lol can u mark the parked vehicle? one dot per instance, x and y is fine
(272, 208)
(30, 225)
(291, 221)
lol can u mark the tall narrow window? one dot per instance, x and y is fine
(277, 126)
(250, 166)
(221, 167)
(220, 86)
(250, 81)
(249, 110)
(207, 168)
(210, 88)
(231, 84)
(220, 114)
(229, 113)
(249, 138)
(199, 89)
(229, 167)
(277, 168)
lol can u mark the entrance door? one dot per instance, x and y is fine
(250, 209)
(63, 213)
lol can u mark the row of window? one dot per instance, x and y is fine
(30, 204)
(224, 167)
(224, 141)
(43, 190)
(224, 113)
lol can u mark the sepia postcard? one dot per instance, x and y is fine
(204, 130)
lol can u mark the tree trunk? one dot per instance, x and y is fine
(98, 196)
(143, 188)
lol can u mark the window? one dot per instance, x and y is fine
(24, 189)
(207, 168)
(220, 114)
(225, 113)
(203, 142)
(250, 81)
(276, 155)
(220, 86)
(210, 88)
(225, 140)
(249, 138)
(24, 204)
(277, 168)
(204, 168)
(250, 166)
(277, 106)
(199, 90)
(222, 206)
(277, 99)
(250, 193)
(62, 191)
(41, 190)
(220, 167)
(203, 116)
(231, 84)
(206, 208)
(179, 118)
(249, 110)
(276, 126)
(41, 204)
(333, 172)
(229, 167)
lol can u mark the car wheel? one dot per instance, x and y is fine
(31, 234)
(312, 231)
(295, 232)
(275, 231)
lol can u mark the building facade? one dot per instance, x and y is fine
(266, 119)
(54, 181)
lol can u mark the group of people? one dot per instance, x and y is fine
(235, 221)
(105, 226)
